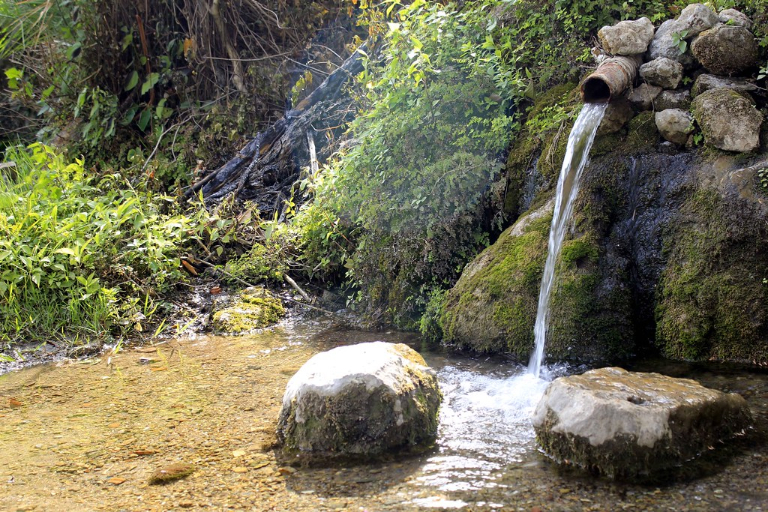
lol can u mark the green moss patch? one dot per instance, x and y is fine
(255, 309)
(493, 306)
(712, 301)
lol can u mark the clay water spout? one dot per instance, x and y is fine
(611, 78)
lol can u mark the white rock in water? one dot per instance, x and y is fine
(360, 400)
(626, 424)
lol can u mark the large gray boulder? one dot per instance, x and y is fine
(629, 425)
(627, 37)
(358, 401)
(664, 72)
(675, 125)
(728, 120)
(665, 44)
(726, 49)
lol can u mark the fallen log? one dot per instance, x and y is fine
(265, 170)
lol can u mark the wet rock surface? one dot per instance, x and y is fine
(617, 115)
(728, 120)
(360, 401)
(629, 425)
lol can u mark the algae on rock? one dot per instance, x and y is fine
(254, 309)
(712, 301)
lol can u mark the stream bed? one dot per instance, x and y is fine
(87, 435)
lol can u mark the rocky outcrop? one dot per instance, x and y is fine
(665, 73)
(675, 125)
(627, 37)
(629, 425)
(359, 401)
(726, 49)
(627, 278)
(255, 308)
(493, 306)
(728, 120)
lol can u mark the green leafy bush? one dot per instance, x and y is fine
(79, 254)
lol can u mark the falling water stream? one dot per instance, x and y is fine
(576, 156)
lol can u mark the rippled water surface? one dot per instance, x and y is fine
(69, 431)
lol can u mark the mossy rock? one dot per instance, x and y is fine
(539, 147)
(256, 308)
(493, 305)
(712, 301)
(359, 402)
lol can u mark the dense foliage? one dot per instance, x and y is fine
(81, 255)
(155, 89)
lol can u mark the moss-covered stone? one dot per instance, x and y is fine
(358, 402)
(256, 308)
(493, 306)
(712, 301)
(540, 146)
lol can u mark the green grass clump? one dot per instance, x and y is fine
(79, 254)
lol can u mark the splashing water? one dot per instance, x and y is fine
(576, 156)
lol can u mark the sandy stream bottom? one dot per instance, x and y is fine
(87, 435)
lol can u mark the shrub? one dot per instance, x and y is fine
(79, 254)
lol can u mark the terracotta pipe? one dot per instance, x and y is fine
(610, 79)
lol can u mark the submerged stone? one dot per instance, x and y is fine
(256, 308)
(627, 425)
(360, 401)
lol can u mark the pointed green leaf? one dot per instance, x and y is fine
(133, 81)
